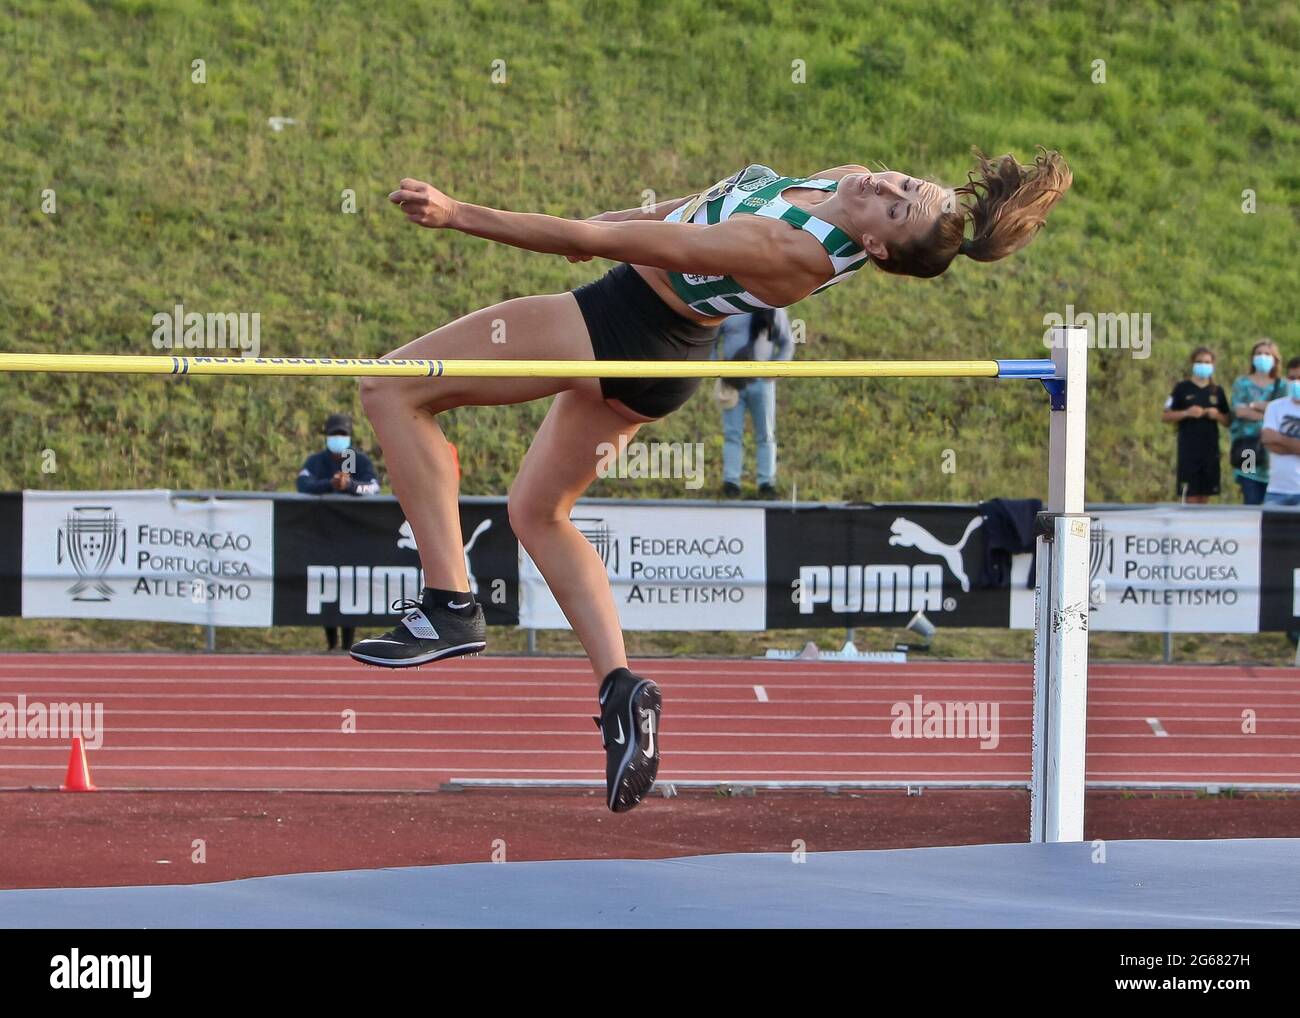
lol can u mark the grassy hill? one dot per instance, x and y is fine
(170, 191)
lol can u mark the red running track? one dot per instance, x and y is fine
(276, 722)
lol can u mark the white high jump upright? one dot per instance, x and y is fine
(1061, 607)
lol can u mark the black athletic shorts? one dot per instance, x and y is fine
(1197, 476)
(628, 321)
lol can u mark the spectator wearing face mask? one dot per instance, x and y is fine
(338, 468)
(1281, 437)
(1251, 395)
(1198, 407)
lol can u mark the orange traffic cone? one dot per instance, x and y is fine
(78, 779)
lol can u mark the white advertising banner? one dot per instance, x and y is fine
(1166, 571)
(148, 556)
(670, 568)
(1162, 571)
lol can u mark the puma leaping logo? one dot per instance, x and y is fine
(911, 535)
(469, 568)
(406, 539)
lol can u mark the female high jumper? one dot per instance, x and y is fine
(754, 240)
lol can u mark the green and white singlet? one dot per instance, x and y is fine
(756, 190)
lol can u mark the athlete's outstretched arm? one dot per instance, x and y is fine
(659, 211)
(740, 245)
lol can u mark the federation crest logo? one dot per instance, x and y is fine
(597, 532)
(1101, 559)
(92, 538)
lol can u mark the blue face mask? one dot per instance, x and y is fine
(1293, 386)
(1202, 370)
(1263, 362)
(338, 444)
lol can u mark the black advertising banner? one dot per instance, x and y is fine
(344, 561)
(876, 566)
(1279, 571)
(11, 553)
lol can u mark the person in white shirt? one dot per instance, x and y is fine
(1281, 437)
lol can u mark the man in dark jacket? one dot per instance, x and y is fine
(338, 468)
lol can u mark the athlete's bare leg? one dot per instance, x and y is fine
(559, 467)
(404, 411)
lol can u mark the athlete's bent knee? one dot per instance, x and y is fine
(522, 521)
(530, 516)
(376, 394)
(388, 394)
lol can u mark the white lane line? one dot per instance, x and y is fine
(965, 755)
(971, 754)
(319, 663)
(466, 680)
(760, 693)
(124, 703)
(578, 772)
(333, 715)
(677, 773)
(822, 733)
(119, 713)
(1135, 700)
(1157, 727)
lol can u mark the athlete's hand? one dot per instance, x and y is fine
(423, 204)
(1195, 411)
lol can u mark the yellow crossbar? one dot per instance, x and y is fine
(363, 367)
